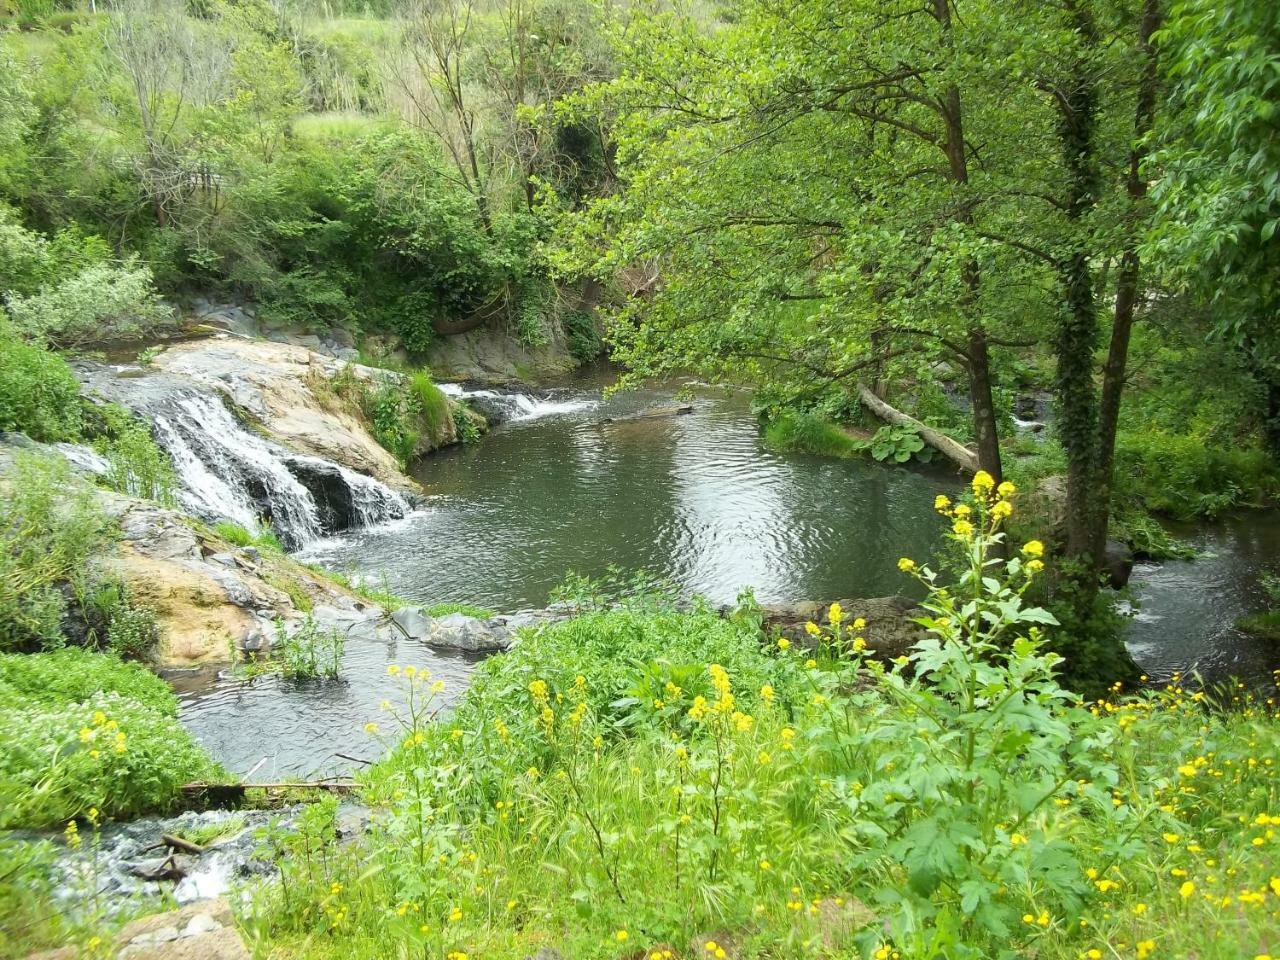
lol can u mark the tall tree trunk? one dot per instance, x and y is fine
(1077, 338)
(1113, 373)
(982, 405)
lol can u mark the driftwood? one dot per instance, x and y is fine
(956, 452)
(177, 843)
(338, 786)
(654, 414)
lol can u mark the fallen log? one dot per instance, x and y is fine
(653, 414)
(956, 452)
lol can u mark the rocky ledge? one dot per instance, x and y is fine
(199, 931)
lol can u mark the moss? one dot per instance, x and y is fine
(466, 609)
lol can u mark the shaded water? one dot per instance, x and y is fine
(1187, 608)
(694, 498)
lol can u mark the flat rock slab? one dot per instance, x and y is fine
(199, 931)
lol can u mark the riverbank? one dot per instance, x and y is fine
(642, 779)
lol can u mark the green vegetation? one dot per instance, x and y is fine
(640, 780)
(136, 465)
(306, 651)
(39, 395)
(263, 537)
(208, 833)
(50, 527)
(88, 731)
(466, 609)
(809, 433)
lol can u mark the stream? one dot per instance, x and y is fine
(569, 483)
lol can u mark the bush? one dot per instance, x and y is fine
(581, 336)
(39, 395)
(104, 302)
(808, 433)
(1182, 476)
(73, 675)
(88, 730)
(136, 465)
(50, 527)
(108, 752)
(307, 651)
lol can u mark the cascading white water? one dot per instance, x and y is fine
(501, 407)
(228, 473)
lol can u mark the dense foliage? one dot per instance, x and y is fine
(88, 731)
(640, 781)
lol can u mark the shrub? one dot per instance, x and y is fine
(308, 651)
(73, 675)
(808, 433)
(581, 335)
(50, 527)
(39, 395)
(108, 752)
(103, 302)
(136, 465)
(1183, 476)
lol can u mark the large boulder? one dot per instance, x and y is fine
(279, 385)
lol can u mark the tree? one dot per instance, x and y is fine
(1217, 189)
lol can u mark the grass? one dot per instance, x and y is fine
(1261, 624)
(264, 538)
(466, 609)
(809, 433)
(644, 780)
(206, 833)
(335, 125)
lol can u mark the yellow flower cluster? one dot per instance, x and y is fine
(102, 730)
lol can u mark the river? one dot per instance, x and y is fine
(695, 499)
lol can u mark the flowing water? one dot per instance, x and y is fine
(225, 472)
(693, 498)
(576, 483)
(1186, 610)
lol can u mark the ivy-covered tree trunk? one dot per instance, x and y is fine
(1077, 395)
(1127, 283)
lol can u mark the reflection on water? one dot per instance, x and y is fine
(307, 729)
(694, 498)
(1188, 608)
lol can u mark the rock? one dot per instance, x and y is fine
(252, 554)
(459, 632)
(413, 622)
(491, 356)
(273, 383)
(226, 559)
(545, 953)
(1117, 561)
(217, 910)
(255, 642)
(223, 944)
(890, 631)
(200, 923)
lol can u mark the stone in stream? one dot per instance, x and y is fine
(413, 621)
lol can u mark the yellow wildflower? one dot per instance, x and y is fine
(1033, 548)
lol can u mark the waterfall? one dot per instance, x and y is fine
(504, 407)
(228, 473)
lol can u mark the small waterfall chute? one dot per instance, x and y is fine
(501, 406)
